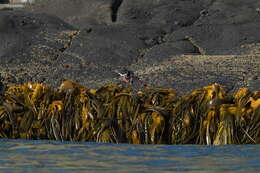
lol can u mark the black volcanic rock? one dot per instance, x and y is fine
(30, 44)
(21, 30)
(107, 45)
(80, 13)
(167, 43)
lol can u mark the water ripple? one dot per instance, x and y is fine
(53, 156)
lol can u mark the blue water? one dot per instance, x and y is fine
(53, 156)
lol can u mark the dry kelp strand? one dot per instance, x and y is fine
(116, 114)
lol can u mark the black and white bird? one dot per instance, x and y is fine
(126, 77)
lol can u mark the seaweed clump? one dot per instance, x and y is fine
(117, 114)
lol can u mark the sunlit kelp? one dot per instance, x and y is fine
(117, 114)
(21, 111)
(150, 125)
(247, 116)
(194, 117)
(119, 109)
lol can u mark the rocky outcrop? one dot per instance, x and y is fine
(179, 44)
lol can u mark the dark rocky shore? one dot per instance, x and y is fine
(182, 44)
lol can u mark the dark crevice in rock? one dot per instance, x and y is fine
(114, 9)
(161, 38)
(198, 49)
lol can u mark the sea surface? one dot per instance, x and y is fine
(61, 157)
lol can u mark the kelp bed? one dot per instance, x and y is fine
(117, 114)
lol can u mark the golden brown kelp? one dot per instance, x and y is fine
(247, 116)
(107, 92)
(194, 116)
(75, 118)
(36, 111)
(120, 107)
(20, 110)
(150, 124)
(116, 114)
(148, 128)
(226, 126)
(164, 97)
